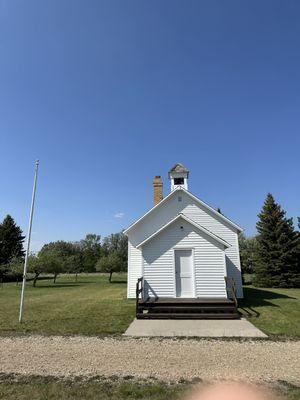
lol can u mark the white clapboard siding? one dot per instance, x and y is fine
(181, 202)
(220, 228)
(156, 219)
(134, 269)
(158, 262)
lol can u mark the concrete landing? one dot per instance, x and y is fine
(194, 328)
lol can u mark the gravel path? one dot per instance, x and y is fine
(164, 359)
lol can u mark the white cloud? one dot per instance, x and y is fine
(119, 215)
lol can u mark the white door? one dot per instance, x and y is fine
(184, 273)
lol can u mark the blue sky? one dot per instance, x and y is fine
(108, 94)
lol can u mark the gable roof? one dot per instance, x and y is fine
(191, 222)
(201, 202)
(179, 168)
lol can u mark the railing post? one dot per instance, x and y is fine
(232, 289)
(139, 289)
(137, 297)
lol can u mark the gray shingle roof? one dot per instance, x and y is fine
(178, 168)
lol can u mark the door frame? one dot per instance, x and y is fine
(193, 269)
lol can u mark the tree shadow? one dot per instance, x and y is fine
(79, 282)
(58, 285)
(119, 281)
(40, 278)
(259, 298)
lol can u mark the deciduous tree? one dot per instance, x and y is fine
(111, 263)
(52, 264)
(35, 267)
(91, 251)
(247, 252)
(69, 255)
(117, 243)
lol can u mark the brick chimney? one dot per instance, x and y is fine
(157, 189)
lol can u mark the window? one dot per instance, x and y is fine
(178, 181)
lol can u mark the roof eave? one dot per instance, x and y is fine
(180, 188)
(190, 221)
(214, 211)
(151, 209)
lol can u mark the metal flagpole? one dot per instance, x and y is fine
(28, 241)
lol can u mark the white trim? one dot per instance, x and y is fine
(190, 221)
(214, 211)
(193, 269)
(194, 273)
(239, 264)
(174, 274)
(128, 268)
(180, 188)
(225, 266)
(182, 175)
(151, 209)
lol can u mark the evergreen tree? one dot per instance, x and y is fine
(276, 259)
(11, 240)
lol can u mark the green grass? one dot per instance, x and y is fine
(40, 388)
(36, 388)
(274, 311)
(91, 306)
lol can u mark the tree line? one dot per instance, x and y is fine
(91, 254)
(273, 254)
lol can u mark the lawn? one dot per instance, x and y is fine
(274, 311)
(93, 306)
(37, 388)
(90, 306)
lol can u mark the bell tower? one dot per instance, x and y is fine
(179, 176)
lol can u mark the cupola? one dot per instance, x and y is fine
(179, 176)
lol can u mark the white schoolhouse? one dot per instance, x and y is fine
(182, 248)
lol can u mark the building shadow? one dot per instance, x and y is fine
(255, 298)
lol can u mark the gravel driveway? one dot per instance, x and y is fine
(164, 359)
